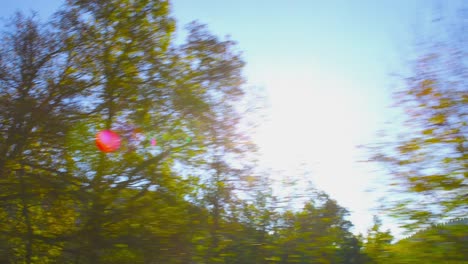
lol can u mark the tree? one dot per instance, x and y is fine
(319, 233)
(109, 65)
(121, 47)
(258, 216)
(38, 108)
(428, 160)
(227, 159)
(378, 242)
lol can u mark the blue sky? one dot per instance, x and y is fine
(325, 67)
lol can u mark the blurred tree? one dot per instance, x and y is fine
(37, 109)
(317, 234)
(378, 242)
(121, 47)
(228, 161)
(428, 161)
(103, 64)
(258, 217)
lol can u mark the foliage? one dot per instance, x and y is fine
(428, 160)
(114, 65)
(445, 243)
(378, 243)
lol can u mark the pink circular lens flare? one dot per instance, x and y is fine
(107, 141)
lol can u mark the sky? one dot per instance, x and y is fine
(325, 67)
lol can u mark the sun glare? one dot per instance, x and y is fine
(317, 119)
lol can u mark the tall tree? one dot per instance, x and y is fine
(428, 160)
(184, 90)
(38, 108)
(228, 157)
(102, 65)
(121, 45)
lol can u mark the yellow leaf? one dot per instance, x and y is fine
(433, 140)
(427, 83)
(419, 187)
(428, 131)
(409, 148)
(437, 119)
(425, 91)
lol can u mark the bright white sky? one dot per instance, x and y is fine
(325, 66)
(317, 118)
